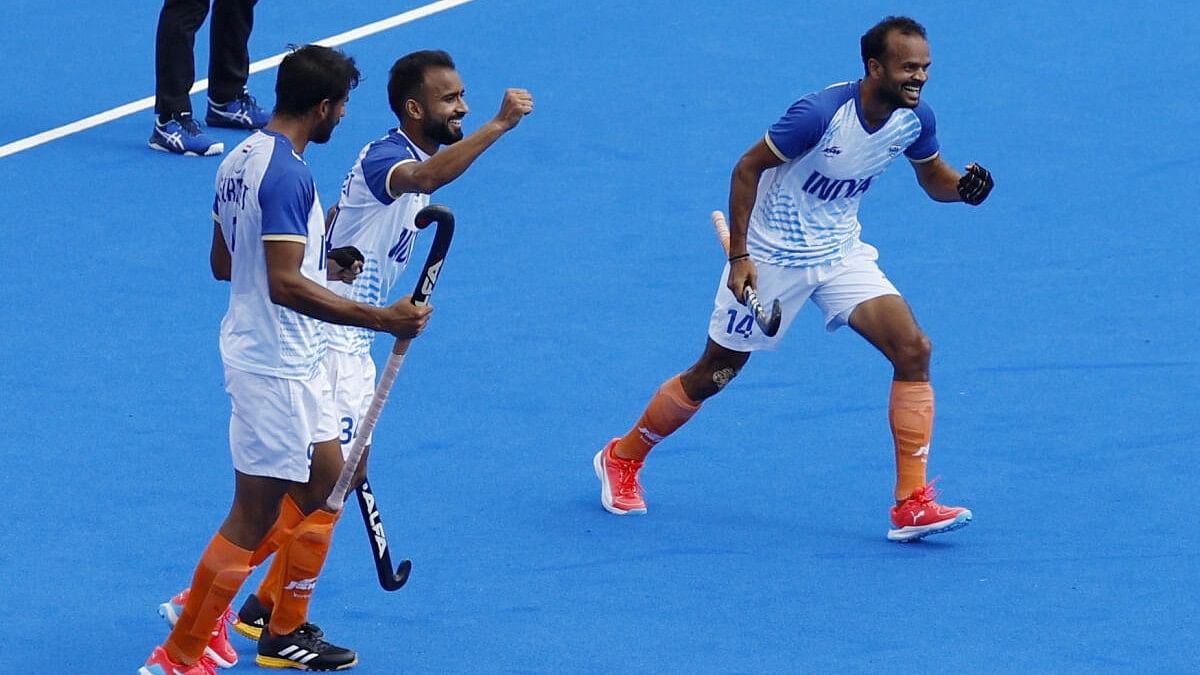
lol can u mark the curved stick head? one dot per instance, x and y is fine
(434, 213)
(776, 318)
(397, 581)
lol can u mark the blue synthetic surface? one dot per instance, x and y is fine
(1062, 311)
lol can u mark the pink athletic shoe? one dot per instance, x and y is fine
(620, 492)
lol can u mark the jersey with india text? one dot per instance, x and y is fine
(380, 225)
(265, 192)
(806, 210)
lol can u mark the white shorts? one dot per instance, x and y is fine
(276, 420)
(352, 377)
(836, 288)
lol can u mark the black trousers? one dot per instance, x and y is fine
(175, 61)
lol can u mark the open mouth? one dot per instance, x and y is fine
(912, 89)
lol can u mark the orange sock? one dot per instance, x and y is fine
(910, 411)
(290, 516)
(222, 570)
(301, 558)
(668, 410)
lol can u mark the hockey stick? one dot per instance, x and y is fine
(768, 324)
(390, 581)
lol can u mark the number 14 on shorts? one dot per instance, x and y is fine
(745, 327)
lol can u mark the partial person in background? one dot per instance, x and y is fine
(794, 235)
(229, 104)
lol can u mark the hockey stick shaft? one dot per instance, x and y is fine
(425, 284)
(768, 323)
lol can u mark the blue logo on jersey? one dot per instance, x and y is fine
(832, 151)
(826, 188)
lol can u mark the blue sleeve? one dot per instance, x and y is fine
(926, 145)
(800, 128)
(377, 163)
(286, 196)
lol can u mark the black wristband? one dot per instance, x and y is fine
(739, 257)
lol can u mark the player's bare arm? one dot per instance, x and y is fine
(942, 183)
(218, 257)
(743, 190)
(291, 289)
(451, 161)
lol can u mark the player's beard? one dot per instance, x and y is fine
(442, 133)
(324, 131)
(896, 97)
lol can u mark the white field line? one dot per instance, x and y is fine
(202, 85)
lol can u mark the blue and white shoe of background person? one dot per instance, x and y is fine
(182, 135)
(242, 112)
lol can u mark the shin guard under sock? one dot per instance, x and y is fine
(910, 411)
(301, 558)
(222, 570)
(669, 409)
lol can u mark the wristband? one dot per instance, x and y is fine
(739, 257)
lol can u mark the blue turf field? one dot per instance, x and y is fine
(1066, 359)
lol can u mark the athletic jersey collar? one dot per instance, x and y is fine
(280, 137)
(399, 134)
(858, 108)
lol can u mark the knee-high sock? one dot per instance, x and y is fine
(910, 411)
(290, 516)
(302, 557)
(668, 410)
(222, 570)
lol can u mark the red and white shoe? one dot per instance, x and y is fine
(920, 516)
(219, 648)
(620, 492)
(160, 663)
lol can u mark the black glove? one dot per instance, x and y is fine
(345, 256)
(975, 185)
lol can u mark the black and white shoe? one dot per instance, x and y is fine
(302, 649)
(252, 618)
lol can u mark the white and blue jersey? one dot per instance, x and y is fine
(380, 225)
(265, 192)
(806, 209)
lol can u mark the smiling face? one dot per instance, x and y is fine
(442, 106)
(903, 71)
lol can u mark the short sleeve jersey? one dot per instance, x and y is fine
(380, 225)
(265, 192)
(806, 209)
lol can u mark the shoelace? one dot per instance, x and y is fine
(222, 628)
(189, 125)
(310, 640)
(924, 494)
(628, 485)
(247, 100)
(208, 665)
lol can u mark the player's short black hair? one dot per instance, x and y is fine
(874, 41)
(311, 74)
(408, 74)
